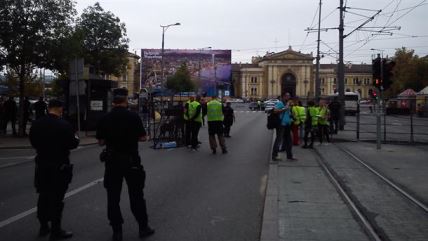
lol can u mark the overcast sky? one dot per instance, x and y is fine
(253, 27)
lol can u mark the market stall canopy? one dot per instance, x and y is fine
(407, 93)
(424, 91)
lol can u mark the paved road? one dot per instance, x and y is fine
(190, 195)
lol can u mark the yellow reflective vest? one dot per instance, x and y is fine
(314, 113)
(186, 111)
(324, 113)
(214, 111)
(192, 111)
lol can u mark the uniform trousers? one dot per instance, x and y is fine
(194, 132)
(135, 178)
(51, 184)
(216, 128)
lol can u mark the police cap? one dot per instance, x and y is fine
(55, 103)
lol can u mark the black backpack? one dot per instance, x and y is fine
(273, 120)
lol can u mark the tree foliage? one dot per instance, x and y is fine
(105, 45)
(410, 71)
(28, 30)
(181, 81)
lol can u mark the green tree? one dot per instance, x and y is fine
(181, 81)
(28, 30)
(105, 45)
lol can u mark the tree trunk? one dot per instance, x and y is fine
(22, 77)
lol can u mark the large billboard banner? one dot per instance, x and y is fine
(211, 69)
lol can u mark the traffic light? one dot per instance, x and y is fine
(376, 71)
(388, 67)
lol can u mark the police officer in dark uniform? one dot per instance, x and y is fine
(53, 138)
(120, 130)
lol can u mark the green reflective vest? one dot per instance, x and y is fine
(215, 111)
(323, 112)
(301, 111)
(314, 113)
(186, 111)
(295, 113)
(192, 111)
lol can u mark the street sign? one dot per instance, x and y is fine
(226, 93)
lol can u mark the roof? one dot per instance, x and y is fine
(408, 92)
(424, 91)
(352, 68)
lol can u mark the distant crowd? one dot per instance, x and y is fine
(9, 113)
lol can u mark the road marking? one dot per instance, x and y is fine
(33, 210)
(17, 157)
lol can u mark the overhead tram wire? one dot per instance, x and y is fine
(374, 36)
(312, 24)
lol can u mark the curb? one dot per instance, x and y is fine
(270, 226)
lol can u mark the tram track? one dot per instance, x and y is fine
(374, 229)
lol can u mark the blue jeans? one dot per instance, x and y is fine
(283, 138)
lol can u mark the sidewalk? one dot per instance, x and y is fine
(13, 142)
(302, 204)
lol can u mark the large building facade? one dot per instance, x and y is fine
(294, 72)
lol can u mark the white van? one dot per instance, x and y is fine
(352, 100)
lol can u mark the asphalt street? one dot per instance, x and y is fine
(190, 195)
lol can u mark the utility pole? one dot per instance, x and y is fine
(341, 69)
(317, 73)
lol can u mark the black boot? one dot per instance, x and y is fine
(58, 233)
(146, 231)
(44, 229)
(117, 233)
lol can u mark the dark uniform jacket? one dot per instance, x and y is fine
(228, 116)
(121, 129)
(53, 138)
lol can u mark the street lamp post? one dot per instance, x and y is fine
(164, 28)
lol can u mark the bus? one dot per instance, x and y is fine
(352, 100)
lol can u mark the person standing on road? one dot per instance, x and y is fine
(27, 114)
(187, 126)
(229, 118)
(215, 125)
(334, 108)
(283, 132)
(53, 138)
(195, 119)
(120, 130)
(9, 114)
(40, 108)
(296, 122)
(311, 124)
(323, 126)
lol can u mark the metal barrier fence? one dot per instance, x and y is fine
(403, 126)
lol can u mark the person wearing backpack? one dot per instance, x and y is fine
(283, 131)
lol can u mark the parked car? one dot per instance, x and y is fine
(254, 106)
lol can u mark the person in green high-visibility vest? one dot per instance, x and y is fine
(195, 120)
(215, 119)
(323, 125)
(311, 123)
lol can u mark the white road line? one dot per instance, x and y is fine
(33, 210)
